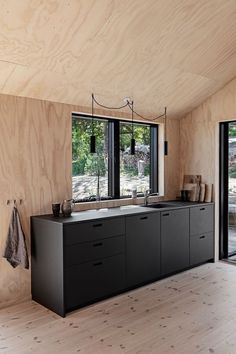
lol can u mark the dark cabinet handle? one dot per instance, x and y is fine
(97, 244)
(202, 208)
(202, 236)
(143, 218)
(97, 225)
(97, 264)
(166, 214)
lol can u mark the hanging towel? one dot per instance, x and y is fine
(15, 249)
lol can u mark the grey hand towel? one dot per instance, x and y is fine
(15, 249)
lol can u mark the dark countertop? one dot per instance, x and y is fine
(104, 213)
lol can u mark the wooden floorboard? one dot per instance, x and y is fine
(191, 312)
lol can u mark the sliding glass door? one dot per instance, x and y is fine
(228, 190)
(232, 189)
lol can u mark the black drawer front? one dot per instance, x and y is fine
(201, 248)
(201, 219)
(90, 281)
(94, 230)
(89, 251)
(141, 222)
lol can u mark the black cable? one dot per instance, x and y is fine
(92, 114)
(165, 124)
(130, 105)
(139, 115)
(107, 107)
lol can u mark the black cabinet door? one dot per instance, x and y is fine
(92, 281)
(90, 251)
(174, 240)
(201, 248)
(201, 219)
(93, 230)
(142, 248)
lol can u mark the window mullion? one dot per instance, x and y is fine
(116, 157)
(154, 160)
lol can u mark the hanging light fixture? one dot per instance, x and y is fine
(92, 137)
(165, 134)
(130, 105)
(132, 142)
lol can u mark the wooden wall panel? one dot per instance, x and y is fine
(199, 141)
(172, 160)
(35, 166)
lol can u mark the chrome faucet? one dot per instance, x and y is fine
(148, 193)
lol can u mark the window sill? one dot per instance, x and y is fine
(115, 203)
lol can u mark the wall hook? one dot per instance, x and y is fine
(15, 201)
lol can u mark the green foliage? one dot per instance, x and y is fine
(232, 174)
(141, 134)
(93, 164)
(83, 161)
(232, 131)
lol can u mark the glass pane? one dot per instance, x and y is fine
(89, 171)
(134, 169)
(232, 191)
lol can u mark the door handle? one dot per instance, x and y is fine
(97, 244)
(97, 225)
(143, 218)
(97, 264)
(202, 208)
(202, 236)
(166, 214)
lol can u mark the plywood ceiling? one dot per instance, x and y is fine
(159, 52)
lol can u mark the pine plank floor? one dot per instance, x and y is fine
(191, 312)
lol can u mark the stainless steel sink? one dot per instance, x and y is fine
(159, 205)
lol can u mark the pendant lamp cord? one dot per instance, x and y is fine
(92, 113)
(127, 104)
(132, 105)
(165, 123)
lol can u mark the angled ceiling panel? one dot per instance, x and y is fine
(159, 52)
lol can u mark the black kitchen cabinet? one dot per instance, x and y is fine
(79, 260)
(76, 263)
(174, 240)
(201, 248)
(201, 219)
(142, 248)
(201, 234)
(94, 280)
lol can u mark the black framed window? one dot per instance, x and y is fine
(112, 172)
(228, 191)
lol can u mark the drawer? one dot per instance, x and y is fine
(93, 230)
(140, 223)
(89, 251)
(91, 281)
(201, 219)
(201, 248)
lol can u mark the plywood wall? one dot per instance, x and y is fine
(35, 166)
(199, 140)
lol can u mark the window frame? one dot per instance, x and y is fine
(114, 154)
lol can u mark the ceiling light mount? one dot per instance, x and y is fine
(127, 100)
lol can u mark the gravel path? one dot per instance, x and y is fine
(85, 186)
